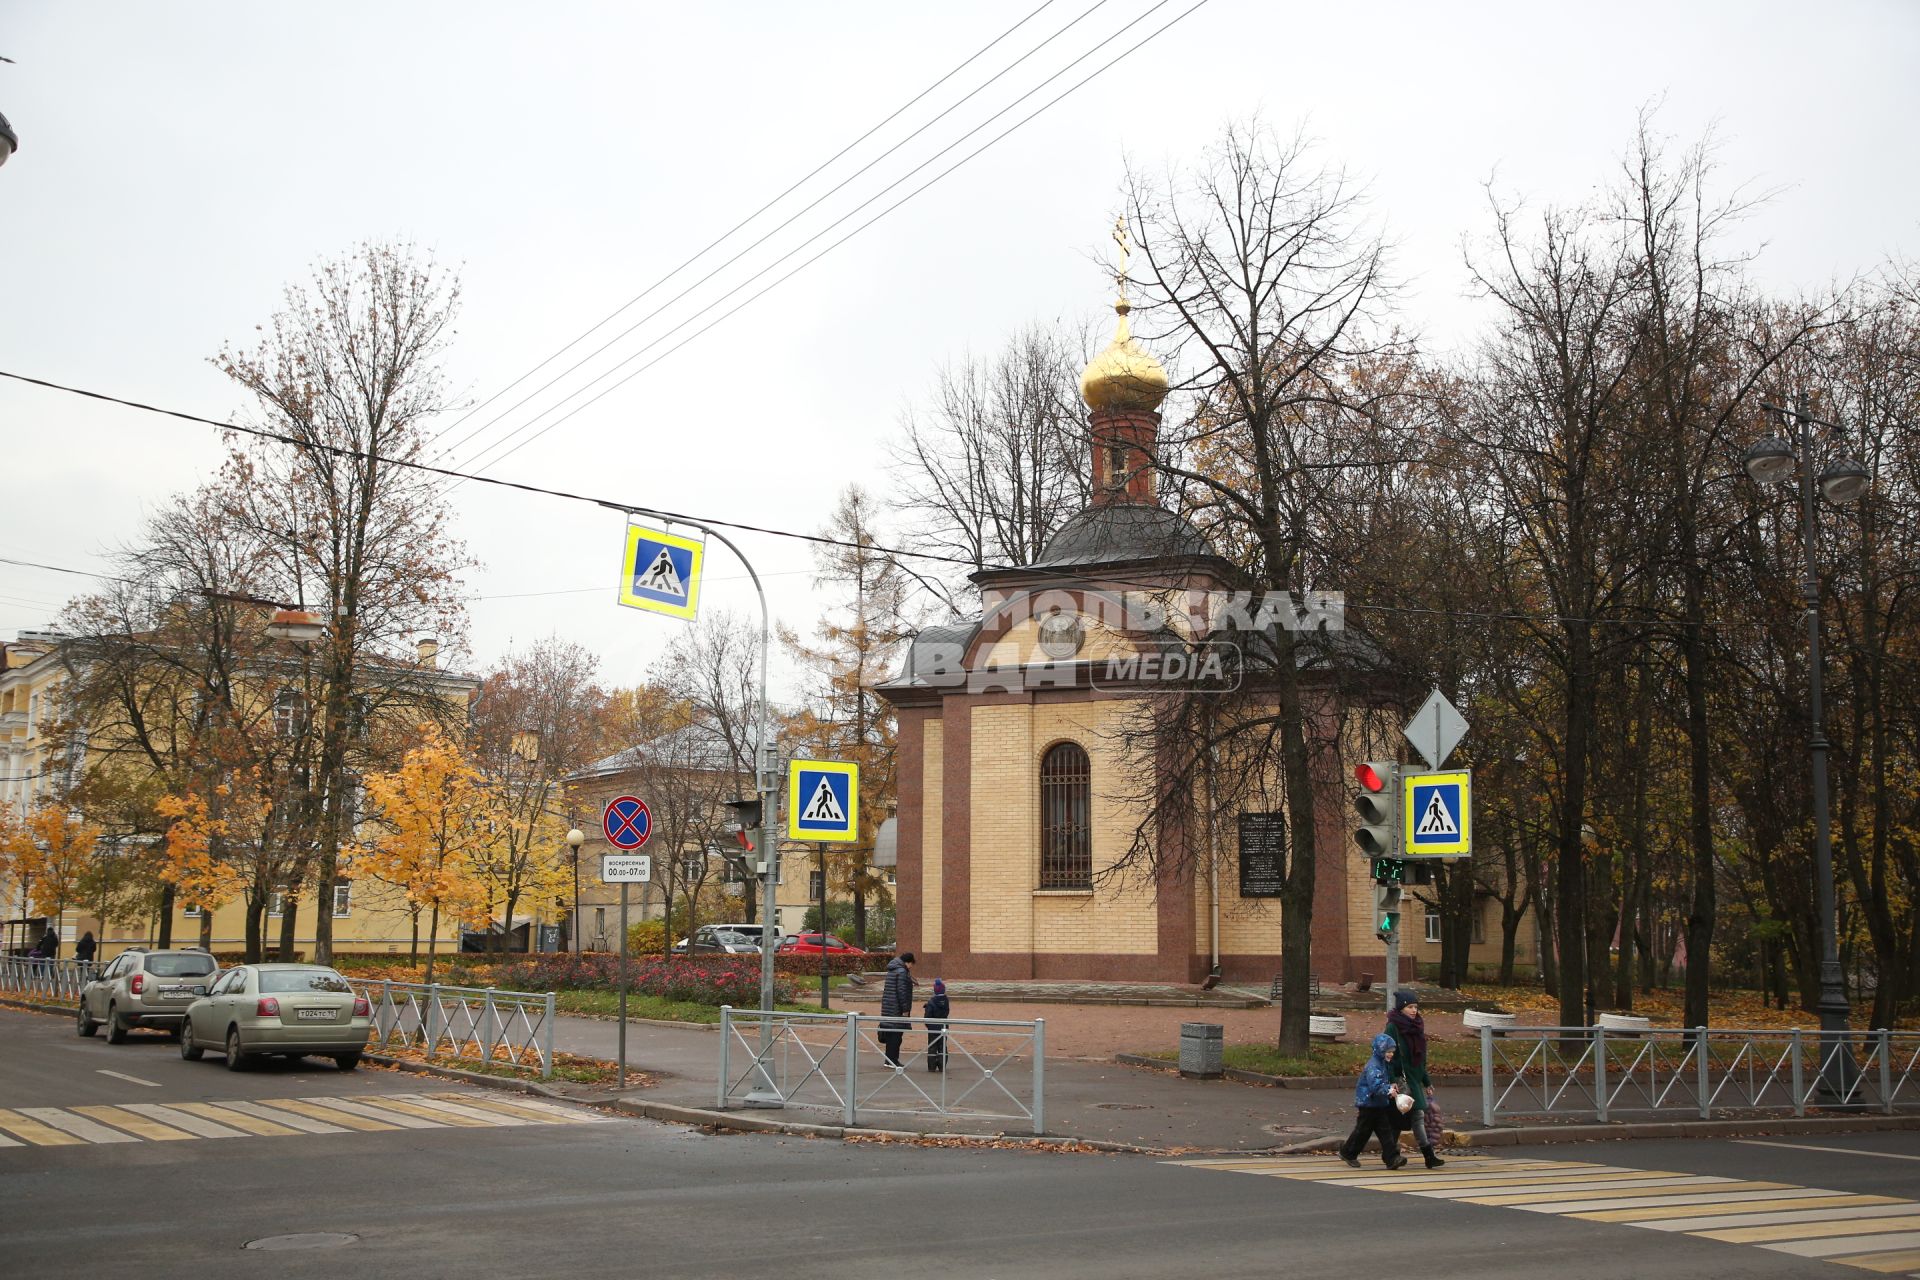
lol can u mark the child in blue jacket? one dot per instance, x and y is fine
(1373, 1098)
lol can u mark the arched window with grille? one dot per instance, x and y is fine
(1066, 818)
(289, 713)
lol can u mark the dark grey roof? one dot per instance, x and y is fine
(931, 649)
(698, 746)
(1121, 532)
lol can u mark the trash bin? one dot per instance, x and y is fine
(1200, 1046)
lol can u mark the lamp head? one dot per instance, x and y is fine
(1844, 481)
(576, 838)
(1769, 461)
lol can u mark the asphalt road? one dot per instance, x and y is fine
(627, 1196)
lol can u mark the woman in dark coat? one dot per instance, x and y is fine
(83, 950)
(937, 1010)
(1409, 1032)
(49, 945)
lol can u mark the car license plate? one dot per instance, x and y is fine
(316, 1015)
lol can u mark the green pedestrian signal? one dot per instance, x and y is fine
(1386, 912)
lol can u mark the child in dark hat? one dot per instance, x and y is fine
(937, 1010)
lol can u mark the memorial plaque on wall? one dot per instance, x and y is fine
(1263, 854)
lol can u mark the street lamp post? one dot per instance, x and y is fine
(1841, 481)
(575, 838)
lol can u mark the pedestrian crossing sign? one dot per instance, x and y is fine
(823, 801)
(661, 572)
(1437, 810)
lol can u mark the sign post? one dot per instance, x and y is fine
(628, 824)
(821, 852)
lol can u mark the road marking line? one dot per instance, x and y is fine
(1767, 1219)
(237, 1119)
(375, 1114)
(1838, 1151)
(186, 1120)
(1733, 1194)
(1903, 1260)
(135, 1123)
(79, 1126)
(331, 1114)
(407, 1107)
(1813, 1230)
(1795, 1200)
(522, 1107)
(36, 1133)
(1862, 1244)
(121, 1075)
(303, 1124)
(1436, 1182)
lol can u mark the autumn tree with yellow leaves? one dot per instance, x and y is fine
(50, 853)
(441, 825)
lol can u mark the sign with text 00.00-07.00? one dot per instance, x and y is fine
(626, 868)
(823, 801)
(1263, 854)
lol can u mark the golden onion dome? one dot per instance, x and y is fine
(1124, 376)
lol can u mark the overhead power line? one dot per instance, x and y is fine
(729, 232)
(481, 461)
(611, 504)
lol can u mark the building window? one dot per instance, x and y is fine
(289, 713)
(191, 911)
(1433, 926)
(277, 903)
(693, 870)
(342, 899)
(1066, 830)
(814, 886)
(1479, 923)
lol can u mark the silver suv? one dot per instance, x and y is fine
(142, 988)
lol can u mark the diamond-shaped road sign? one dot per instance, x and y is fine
(1436, 729)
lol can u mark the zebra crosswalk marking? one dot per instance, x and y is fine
(414, 1111)
(34, 1132)
(230, 1114)
(138, 1125)
(79, 1126)
(138, 1122)
(332, 1116)
(1869, 1232)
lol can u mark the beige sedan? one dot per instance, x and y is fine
(292, 1010)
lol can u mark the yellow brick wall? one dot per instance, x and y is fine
(1007, 914)
(933, 791)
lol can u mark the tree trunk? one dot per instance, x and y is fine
(433, 941)
(165, 939)
(413, 950)
(206, 928)
(1699, 802)
(256, 915)
(1571, 911)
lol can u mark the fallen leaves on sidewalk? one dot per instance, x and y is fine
(1064, 1147)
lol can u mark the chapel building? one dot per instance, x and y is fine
(1020, 781)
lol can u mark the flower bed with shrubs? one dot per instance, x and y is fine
(709, 980)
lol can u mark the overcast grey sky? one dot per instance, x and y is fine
(180, 163)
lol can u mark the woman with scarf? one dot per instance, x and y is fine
(1409, 1034)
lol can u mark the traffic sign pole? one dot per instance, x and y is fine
(623, 985)
(821, 851)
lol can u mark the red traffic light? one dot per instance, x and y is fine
(1369, 777)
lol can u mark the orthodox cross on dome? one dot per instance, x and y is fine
(1120, 238)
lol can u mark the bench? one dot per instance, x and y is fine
(1326, 1028)
(1313, 989)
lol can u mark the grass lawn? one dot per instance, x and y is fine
(1443, 1058)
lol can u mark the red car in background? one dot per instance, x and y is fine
(812, 944)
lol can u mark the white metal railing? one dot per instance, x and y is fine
(994, 1069)
(35, 978)
(465, 1024)
(1600, 1073)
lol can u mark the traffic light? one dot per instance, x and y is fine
(746, 818)
(1378, 804)
(1386, 911)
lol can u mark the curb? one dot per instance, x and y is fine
(34, 1006)
(674, 1113)
(1239, 1076)
(484, 1080)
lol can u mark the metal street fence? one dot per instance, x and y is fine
(37, 979)
(463, 1024)
(993, 1069)
(1594, 1073)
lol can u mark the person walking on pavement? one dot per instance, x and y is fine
(937, 1011)
(896, 1001)
(83, 950)
(49, 945)
(1409, 1032)
(1373, 1098)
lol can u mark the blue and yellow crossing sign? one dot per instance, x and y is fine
(661, 572)
(1436, 813)
(823, 801)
